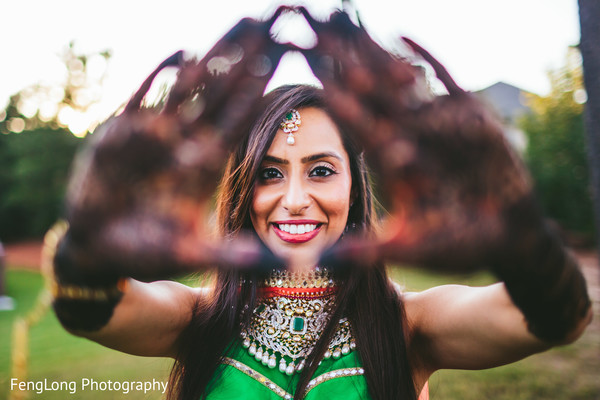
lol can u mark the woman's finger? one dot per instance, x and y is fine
(440, 71)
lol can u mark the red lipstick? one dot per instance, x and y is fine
(299, 237)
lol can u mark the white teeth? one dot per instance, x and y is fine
(297, 229)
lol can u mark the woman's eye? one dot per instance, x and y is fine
(321, 171)
(270, 173)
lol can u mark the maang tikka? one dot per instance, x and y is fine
(290, 124)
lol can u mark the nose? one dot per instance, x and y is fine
(295, 199)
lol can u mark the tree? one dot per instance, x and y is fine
(37, 145)
(589, 14)
(34, 167)
(55, 107)
(556, 149)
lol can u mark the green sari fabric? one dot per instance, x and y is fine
(241, 377)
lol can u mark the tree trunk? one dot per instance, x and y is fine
(589, 17)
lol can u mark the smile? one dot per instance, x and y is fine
(297, 231)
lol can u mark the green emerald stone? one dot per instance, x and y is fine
(289, 116)
(298, 324)
(260, 308)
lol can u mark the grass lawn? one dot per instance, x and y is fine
(571, 372)
(56, 355)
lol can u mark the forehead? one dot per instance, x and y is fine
(316, 134)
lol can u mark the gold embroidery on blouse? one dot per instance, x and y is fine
(338, 373)
(260, 378)
(257, 376)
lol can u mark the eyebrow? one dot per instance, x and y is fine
(306, 159)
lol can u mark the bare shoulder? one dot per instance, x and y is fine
(428, 300)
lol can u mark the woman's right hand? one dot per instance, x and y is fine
(139, 197)
(457, 194)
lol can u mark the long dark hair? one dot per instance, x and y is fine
(366, 296)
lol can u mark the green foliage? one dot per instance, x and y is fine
(56, 355)
(34, 168)
(37, 144)
(556, 152)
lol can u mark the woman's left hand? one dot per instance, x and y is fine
(456, 192)
(140, 197)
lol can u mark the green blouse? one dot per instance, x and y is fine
(242, 377)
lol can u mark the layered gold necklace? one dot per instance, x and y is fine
(290, 316)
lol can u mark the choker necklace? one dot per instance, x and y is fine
(289, 318)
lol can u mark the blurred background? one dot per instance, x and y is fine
(69, 65)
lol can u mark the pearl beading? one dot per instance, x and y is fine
(290, 316)
(285, 330)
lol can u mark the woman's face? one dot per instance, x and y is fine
(302, 194)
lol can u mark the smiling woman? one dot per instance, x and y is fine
(303, 192)
(271, 186)
(310, 311)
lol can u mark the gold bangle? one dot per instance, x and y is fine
(72, 292)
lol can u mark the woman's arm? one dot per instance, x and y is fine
(460, 327)
(542, 302)
(121, 313)
(141, 190)
(148, 319)
(460, 199)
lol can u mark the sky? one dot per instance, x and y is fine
(480, 42)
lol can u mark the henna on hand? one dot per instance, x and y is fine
(459, 197)
(139, 198)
